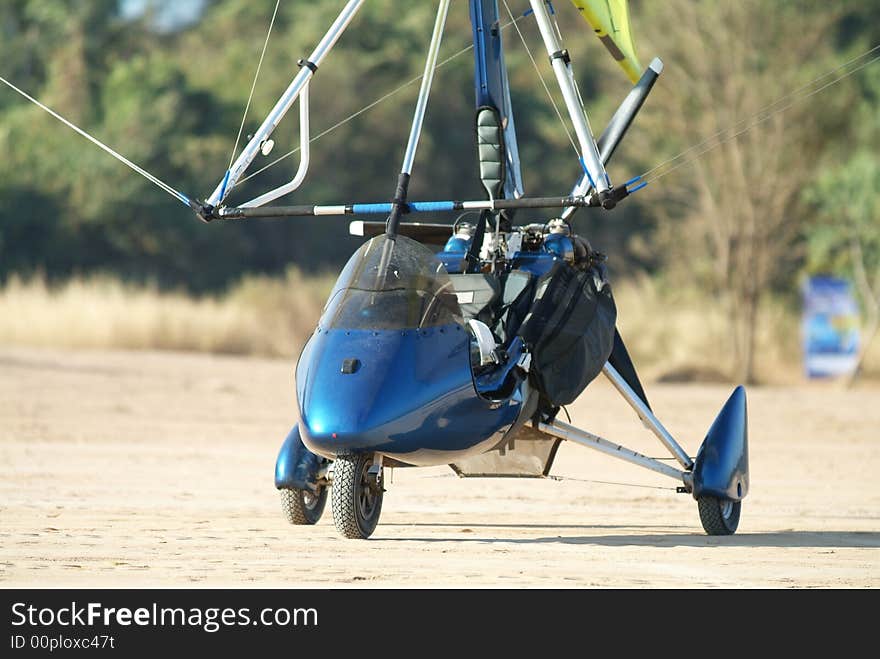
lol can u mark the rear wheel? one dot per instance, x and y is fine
(303, 506)
(719, 516)
(356, 496)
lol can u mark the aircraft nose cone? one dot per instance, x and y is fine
(361, 390)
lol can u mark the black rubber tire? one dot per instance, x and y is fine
(356, 505)
(303, 507)
(719, 516)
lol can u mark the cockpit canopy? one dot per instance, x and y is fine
(391, 285)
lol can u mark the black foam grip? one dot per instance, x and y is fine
(398, 205)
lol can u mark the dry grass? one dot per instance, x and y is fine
(678, 334)
(681, 334)
(259, 315)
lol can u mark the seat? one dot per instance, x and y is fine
(477, 295)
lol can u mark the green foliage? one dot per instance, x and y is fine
(172, 102)
(848, 206)
(844, 233)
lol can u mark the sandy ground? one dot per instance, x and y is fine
(152, 469)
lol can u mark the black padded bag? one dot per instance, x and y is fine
(516, 302)
(570, 330)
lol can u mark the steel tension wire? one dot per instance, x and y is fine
(543, 82)
(587, 480)
(128, 163)
(752, 121)
(370, 106)
(247, 107)
(765, 108)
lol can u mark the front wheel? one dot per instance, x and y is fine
(303, 506)
(356, 496)
(719, 516)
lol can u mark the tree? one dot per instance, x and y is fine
(731, 218)
(172, 100)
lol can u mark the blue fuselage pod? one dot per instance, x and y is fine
(405, 393)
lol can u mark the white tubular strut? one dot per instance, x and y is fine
(647, 416)
(564, 76)
(296, 88)
(425, 91)
(304, 157)
(588, 439)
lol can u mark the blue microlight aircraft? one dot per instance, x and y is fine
(465, 355)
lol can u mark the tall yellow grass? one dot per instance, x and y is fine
(682, 333)
(678, 334)
(259, 315)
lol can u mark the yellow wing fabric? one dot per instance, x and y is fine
(610, 21)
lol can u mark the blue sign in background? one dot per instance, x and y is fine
(830, 327)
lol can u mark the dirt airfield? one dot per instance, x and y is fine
(155, 469)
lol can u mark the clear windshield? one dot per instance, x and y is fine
(392, 284)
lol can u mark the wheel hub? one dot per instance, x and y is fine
(369, 489)
(310, 499)
(726, 508)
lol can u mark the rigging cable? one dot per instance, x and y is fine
(587, 480)
(370, 106)
(254, 85)
(544, 84)
(156, 181)
(762, 115)
(651, 175)
(554, 17)
(709, 143)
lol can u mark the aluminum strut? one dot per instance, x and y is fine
(300, 82)
(584, 438)
(647, 417)
(590, 159)
(398, 206)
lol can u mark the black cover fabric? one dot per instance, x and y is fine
(622, 363)
(570, 330)
(519, 289)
